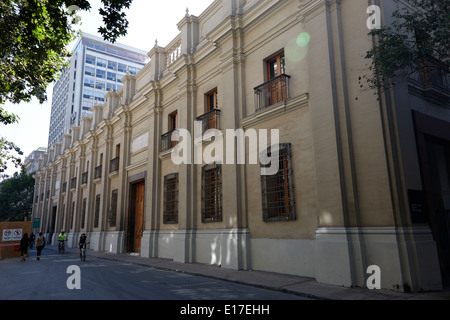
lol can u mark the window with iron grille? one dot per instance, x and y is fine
(278, 190)
(171, 198)
(212, 193)
(97, 211)
(83, 213)
(113, 212)
(72, 213)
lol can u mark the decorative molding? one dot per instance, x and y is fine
(275, 110)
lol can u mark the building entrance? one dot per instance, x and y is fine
(438, 153)
(433, 143)
(136, 217)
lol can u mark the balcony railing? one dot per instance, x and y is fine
(272, 92)
(432, 82)
(98, 172)
(114, 165)
(84, 178)
(210, 120)
(435, 76)
(73, 183)
(166, 140)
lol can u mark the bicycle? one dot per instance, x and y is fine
(83, 251)
(61, 247)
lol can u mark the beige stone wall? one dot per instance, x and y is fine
(343, 175)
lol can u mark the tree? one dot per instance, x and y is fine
(9, 152)
(416, 41)
(34, 35)
(16, 197)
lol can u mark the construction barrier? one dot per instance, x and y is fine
(10, 235)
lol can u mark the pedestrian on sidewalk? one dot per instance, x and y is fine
(24, 243)
(40, 243)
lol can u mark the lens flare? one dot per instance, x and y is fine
(297, 48)
(303, 39)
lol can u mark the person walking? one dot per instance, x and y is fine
(40, 243)
(24, 243)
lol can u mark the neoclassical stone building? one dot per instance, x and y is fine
(362, 178)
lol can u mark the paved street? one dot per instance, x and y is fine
(102, 279)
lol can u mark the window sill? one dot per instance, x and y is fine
(275, 110)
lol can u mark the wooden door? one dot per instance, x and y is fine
(275, 68)
(173, 125)
(139, 222)
(212, 105)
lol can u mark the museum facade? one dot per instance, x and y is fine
(173, 165)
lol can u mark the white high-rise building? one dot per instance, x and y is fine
(95, 68)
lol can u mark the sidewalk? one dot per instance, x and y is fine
(302, 286)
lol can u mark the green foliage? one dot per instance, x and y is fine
(9, 152)
(34, 35)
(114, 19)
(420, 33)
(7, 118)
(16, 197)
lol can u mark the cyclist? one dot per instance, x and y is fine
(62, 238)
(82, 241)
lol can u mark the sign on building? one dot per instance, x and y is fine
(36, 223)
(12, 234)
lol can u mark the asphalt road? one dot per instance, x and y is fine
(54, 278)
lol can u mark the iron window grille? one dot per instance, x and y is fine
(97, 211)
(278, 190)
(83, 213)
(113, 210)
(212, 193)
(72, 214)
(171, 198)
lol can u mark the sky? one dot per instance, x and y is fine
(149, 20)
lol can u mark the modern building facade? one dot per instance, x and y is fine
(362, 178)
(96, 67)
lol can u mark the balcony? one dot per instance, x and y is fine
(435, 76)
(98, 172)
(432, 82)
(114, 165)
(166, 140)
(272, 92)
(84, 178)
(73, 183)
(210, 120)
